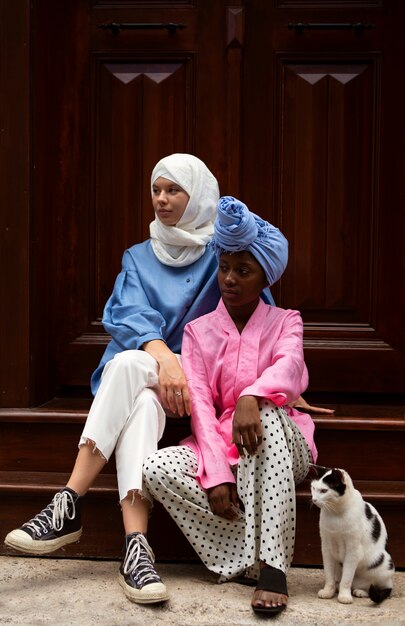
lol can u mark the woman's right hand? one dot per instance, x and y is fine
(246, 425)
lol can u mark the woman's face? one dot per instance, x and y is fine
(169, 201)
(241, 278)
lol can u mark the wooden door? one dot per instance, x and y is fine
(303, 123)
(324, 147)
(117, 86)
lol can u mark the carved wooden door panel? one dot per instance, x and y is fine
(323, 144)
(118, 85)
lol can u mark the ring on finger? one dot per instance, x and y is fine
(177, 393)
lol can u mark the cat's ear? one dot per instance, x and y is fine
(336, 480)
(317, 471)
(337, 475)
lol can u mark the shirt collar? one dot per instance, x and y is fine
(227, 323)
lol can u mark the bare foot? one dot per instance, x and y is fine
(267, 599)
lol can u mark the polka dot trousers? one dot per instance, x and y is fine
(265, 531)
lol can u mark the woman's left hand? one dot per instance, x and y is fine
(172, 380)
(224, 500)
(247, 428)
(173, 387)
(302, 405)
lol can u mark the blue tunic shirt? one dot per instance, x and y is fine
(155, 301)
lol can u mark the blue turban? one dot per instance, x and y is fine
(236, 229)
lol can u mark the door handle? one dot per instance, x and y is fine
(358, 27)
(116, 28)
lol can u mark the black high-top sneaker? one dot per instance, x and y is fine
(55, 526)
(138, 576)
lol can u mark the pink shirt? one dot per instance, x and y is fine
(221, 365)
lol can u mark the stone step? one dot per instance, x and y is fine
(23, 494)
(367, 445)
(38, 448)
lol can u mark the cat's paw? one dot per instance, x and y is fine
(345, 598)
(326, 593)
(360, 593)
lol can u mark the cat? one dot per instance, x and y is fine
(353, 540)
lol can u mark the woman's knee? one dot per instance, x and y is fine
(149, 413)
(135, 368)
(152, 467)
(162, 465)
(148, 402)
(133, 358)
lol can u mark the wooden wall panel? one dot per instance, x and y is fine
(327, 123)
(142, 110)
(327, 127)
(59, 217)
(15, 157)
(138, 104)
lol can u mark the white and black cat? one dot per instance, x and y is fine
(353, 537)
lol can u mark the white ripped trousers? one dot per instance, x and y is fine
(126, 416)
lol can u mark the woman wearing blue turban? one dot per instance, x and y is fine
(230, 487)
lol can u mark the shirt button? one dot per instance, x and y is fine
(188, 280)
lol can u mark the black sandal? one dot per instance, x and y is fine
(273, 580)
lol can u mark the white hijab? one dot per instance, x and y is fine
(185, 242)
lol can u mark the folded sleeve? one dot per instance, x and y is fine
(213, 466)
(286, 377)
(128, 316)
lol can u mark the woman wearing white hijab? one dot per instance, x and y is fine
(165, 282)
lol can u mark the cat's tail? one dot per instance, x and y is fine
(378, 594)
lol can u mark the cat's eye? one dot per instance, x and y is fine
(324, 491)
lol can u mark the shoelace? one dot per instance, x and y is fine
(53, 516)
(139, 561)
